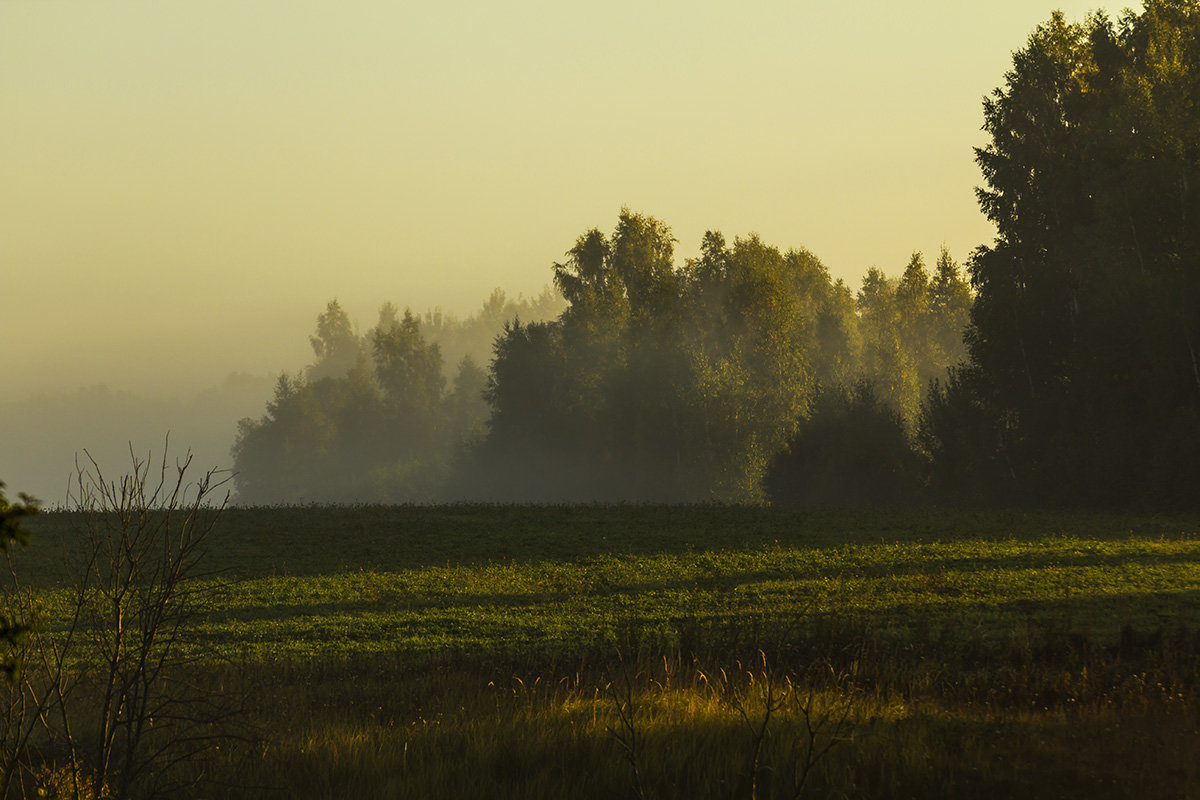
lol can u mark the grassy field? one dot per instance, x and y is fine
(697, 652)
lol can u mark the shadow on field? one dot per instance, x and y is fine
(490, 625)
(322, 539)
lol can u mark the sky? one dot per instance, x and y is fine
(185, 184)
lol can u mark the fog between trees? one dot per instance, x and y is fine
(657, 382)
(391, 414)
(1072, 376)
(43, 434)
(746, 373)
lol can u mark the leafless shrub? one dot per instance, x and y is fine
(773, 706)
(115, 699)
(626, 733)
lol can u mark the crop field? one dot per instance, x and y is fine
(695, 651)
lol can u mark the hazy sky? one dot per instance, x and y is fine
(183, 185)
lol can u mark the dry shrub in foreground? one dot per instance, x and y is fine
(109, 702)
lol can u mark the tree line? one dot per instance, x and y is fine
(1083, 382)
(376, 417)
(656, 382)
(1065, 371)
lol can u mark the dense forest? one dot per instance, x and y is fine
(1083, 384)
(1066, 371)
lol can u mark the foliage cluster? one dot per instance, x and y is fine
(657, 382)
(665, 384)
(11, 514)
(372, 418)
(1084, 379)
(12, 532)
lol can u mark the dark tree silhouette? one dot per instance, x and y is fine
(854, 450)
(1085, 332)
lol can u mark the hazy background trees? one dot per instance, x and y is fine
(378, 416)
(731, 376)
(649, 381)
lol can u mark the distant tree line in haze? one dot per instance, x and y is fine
(656, 382)
(376, 417)
(1067, 371)
(679, 384)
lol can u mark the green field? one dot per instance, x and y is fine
(968, 653)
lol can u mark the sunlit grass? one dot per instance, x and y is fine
(978, 588)
(378, 731)
(973, 586)
(971, 655)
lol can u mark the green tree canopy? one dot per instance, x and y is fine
(1085, 332)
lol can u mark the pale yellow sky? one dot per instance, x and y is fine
(183, 185)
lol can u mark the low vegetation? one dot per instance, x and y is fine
(481, 651)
